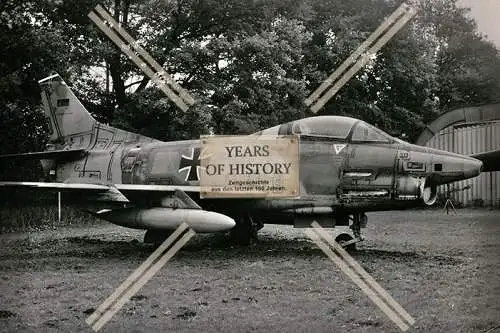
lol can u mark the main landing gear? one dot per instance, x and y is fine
(247, 227)
(156, 237)
(359, 220)
(245, 230)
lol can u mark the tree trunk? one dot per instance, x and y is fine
(115, 67)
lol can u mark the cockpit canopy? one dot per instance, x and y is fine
(333, 127)
(324, 126)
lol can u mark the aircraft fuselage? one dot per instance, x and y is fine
(335, 173)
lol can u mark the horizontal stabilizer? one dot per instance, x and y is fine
(491, 160)
(60, 155)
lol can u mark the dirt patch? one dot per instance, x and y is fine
(444, 270)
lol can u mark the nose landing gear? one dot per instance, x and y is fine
(359, 220)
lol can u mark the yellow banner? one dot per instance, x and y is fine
(249, 166)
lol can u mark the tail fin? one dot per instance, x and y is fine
(67, 115)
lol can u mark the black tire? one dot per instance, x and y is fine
(342, 238)
(241, 234)
(244, 232)
(156, 237)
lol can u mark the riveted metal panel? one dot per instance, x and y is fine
(470, 139)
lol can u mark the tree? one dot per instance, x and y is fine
(468, 66)
(250, 65)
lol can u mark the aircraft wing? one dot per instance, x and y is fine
(157, 188)
(53, 154)
(104, 192)
(57, 186)
(491, 160)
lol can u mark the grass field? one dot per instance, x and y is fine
(443, 269)
(40, 217)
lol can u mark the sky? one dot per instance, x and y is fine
(487, 15)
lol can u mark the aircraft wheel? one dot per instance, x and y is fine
(156, 237)
(244, 231)
(343, 238)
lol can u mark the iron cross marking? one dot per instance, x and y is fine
(192, 164)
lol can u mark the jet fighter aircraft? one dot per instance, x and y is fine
(347, 168)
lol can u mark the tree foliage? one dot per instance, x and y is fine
(249, 64)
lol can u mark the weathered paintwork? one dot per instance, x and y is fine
(346, 165)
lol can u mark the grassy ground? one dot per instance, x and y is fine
(40, 217)
(443, 269)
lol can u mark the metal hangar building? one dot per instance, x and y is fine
(468, 131)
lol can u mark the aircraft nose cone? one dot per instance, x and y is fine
(472, 167)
